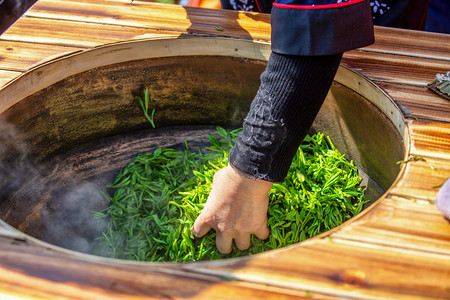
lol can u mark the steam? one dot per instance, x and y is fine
(15, 168)
(70, 222)
(55, 200)
(50, 201)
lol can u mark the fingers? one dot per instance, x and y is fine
(200, 227)
(242, 241)
(224, 242)
(235, 207)
(263, 233)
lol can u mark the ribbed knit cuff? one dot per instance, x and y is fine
(291, 93)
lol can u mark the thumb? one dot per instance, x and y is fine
(200, 227)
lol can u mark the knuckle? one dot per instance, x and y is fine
(224, 227)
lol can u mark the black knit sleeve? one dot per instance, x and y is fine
(291, 93)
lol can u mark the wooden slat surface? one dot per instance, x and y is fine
(47, 280)
(400, 67)
(418, 219)
(398, 41)
(6, 76)
(76, 34)
(349, 269)
(421, 178)
(19, 56)
(399, 249)
(151, 15)
(418, 102)
(431, 140)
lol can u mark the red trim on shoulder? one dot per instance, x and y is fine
(257, 5)
(320, 6)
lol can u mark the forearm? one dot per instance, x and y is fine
(293, 87)
(291, 93)
(305, 58)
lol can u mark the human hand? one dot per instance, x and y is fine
(236, 208)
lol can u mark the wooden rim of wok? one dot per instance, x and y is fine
(51, 71)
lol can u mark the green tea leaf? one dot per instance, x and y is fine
(159, 195)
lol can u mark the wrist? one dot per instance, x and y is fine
(240, 177)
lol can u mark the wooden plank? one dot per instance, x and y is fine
(345, 269)
(62, 33)
(6, 76)
(27, 271)
(430, 45)
(430, 139)
(421, 177)
(157, 16)
(19, 56)
(428, 162)
(399, 215)
(418, 102)
(398, 41)
(364, 233)
(402, 69)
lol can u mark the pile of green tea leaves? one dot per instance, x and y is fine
(159, 195)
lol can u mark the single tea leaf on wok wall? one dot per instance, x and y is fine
(158, 196)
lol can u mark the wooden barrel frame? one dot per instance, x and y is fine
(49, 73)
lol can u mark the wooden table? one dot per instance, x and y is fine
(399, 249)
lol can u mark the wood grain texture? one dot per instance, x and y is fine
(401, 68)
(6, 76)
(47, 280)
(398, 249)
(421, 178)
(78, 35)
(398, 41)
(350, 269)
(419, 219)
(430, 139)
(19, 56)
(157, 16)
(418, 102)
